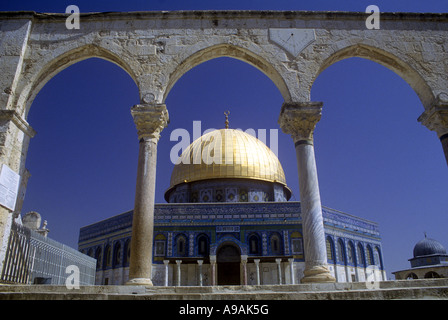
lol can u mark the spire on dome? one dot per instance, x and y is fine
(226, 113)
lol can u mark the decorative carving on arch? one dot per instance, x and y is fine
(228, 240)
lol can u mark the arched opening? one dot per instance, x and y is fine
(411, 276)
(432, 275)
(228, 258)
(361, 256)
(181, 246)
(351, 254)
(203, 245)
(330, 250)
(83, 158)
(373, 155)
(341, 252)
(99, 258)
(254, 244)
(198, 100)
(117, 255)
(228, 50)
(276, 247)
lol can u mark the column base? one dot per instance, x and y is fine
(317, 274)
(140, 282)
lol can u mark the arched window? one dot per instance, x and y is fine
(361, 256)
(203, 247)
(117, 254)
(370, 259)
(296, 243)
(127, 252)
(181, 246)
(351, 253)
(330, 249)
(90, 253)
(341, 252)
(98, 257)
(159, 245)
(411, 276)
(431, 274)
(276, 245)
(377, 257)
(254, 244)
(108, 256)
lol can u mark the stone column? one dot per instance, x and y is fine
(166, 263)
(291, 270)
(244, 269)
(150, 121)
(436, 119)
(299, 120)
(279, 270)
(257, 268)
(213, 270)
(179, 275)
(15, 136)
(200, 272)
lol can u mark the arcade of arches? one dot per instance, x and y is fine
(157, 48)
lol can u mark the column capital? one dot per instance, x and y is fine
(436, 117)
(150, 120)
(299, 119)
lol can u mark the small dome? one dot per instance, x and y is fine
(428, 246)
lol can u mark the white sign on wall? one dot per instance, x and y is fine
(9, 187)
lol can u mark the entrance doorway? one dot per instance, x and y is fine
(228, 258)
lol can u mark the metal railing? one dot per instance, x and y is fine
(32, 258)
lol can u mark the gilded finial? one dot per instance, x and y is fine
(227, 118)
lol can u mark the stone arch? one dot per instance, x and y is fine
(44, 73)
(385, 58)
(279, 78)
(228, 240)
(411, 275)
(431, 274)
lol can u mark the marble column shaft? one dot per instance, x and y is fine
(279, 270)
(166, 263)
(257, 268)
(244, 269)
(200, 272)
(150, 120)
(291, 270)
(179, 275)
(213, 270)
(299, 121)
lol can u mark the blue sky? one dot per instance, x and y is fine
(374, 159)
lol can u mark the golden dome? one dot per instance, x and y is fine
(227, 154)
